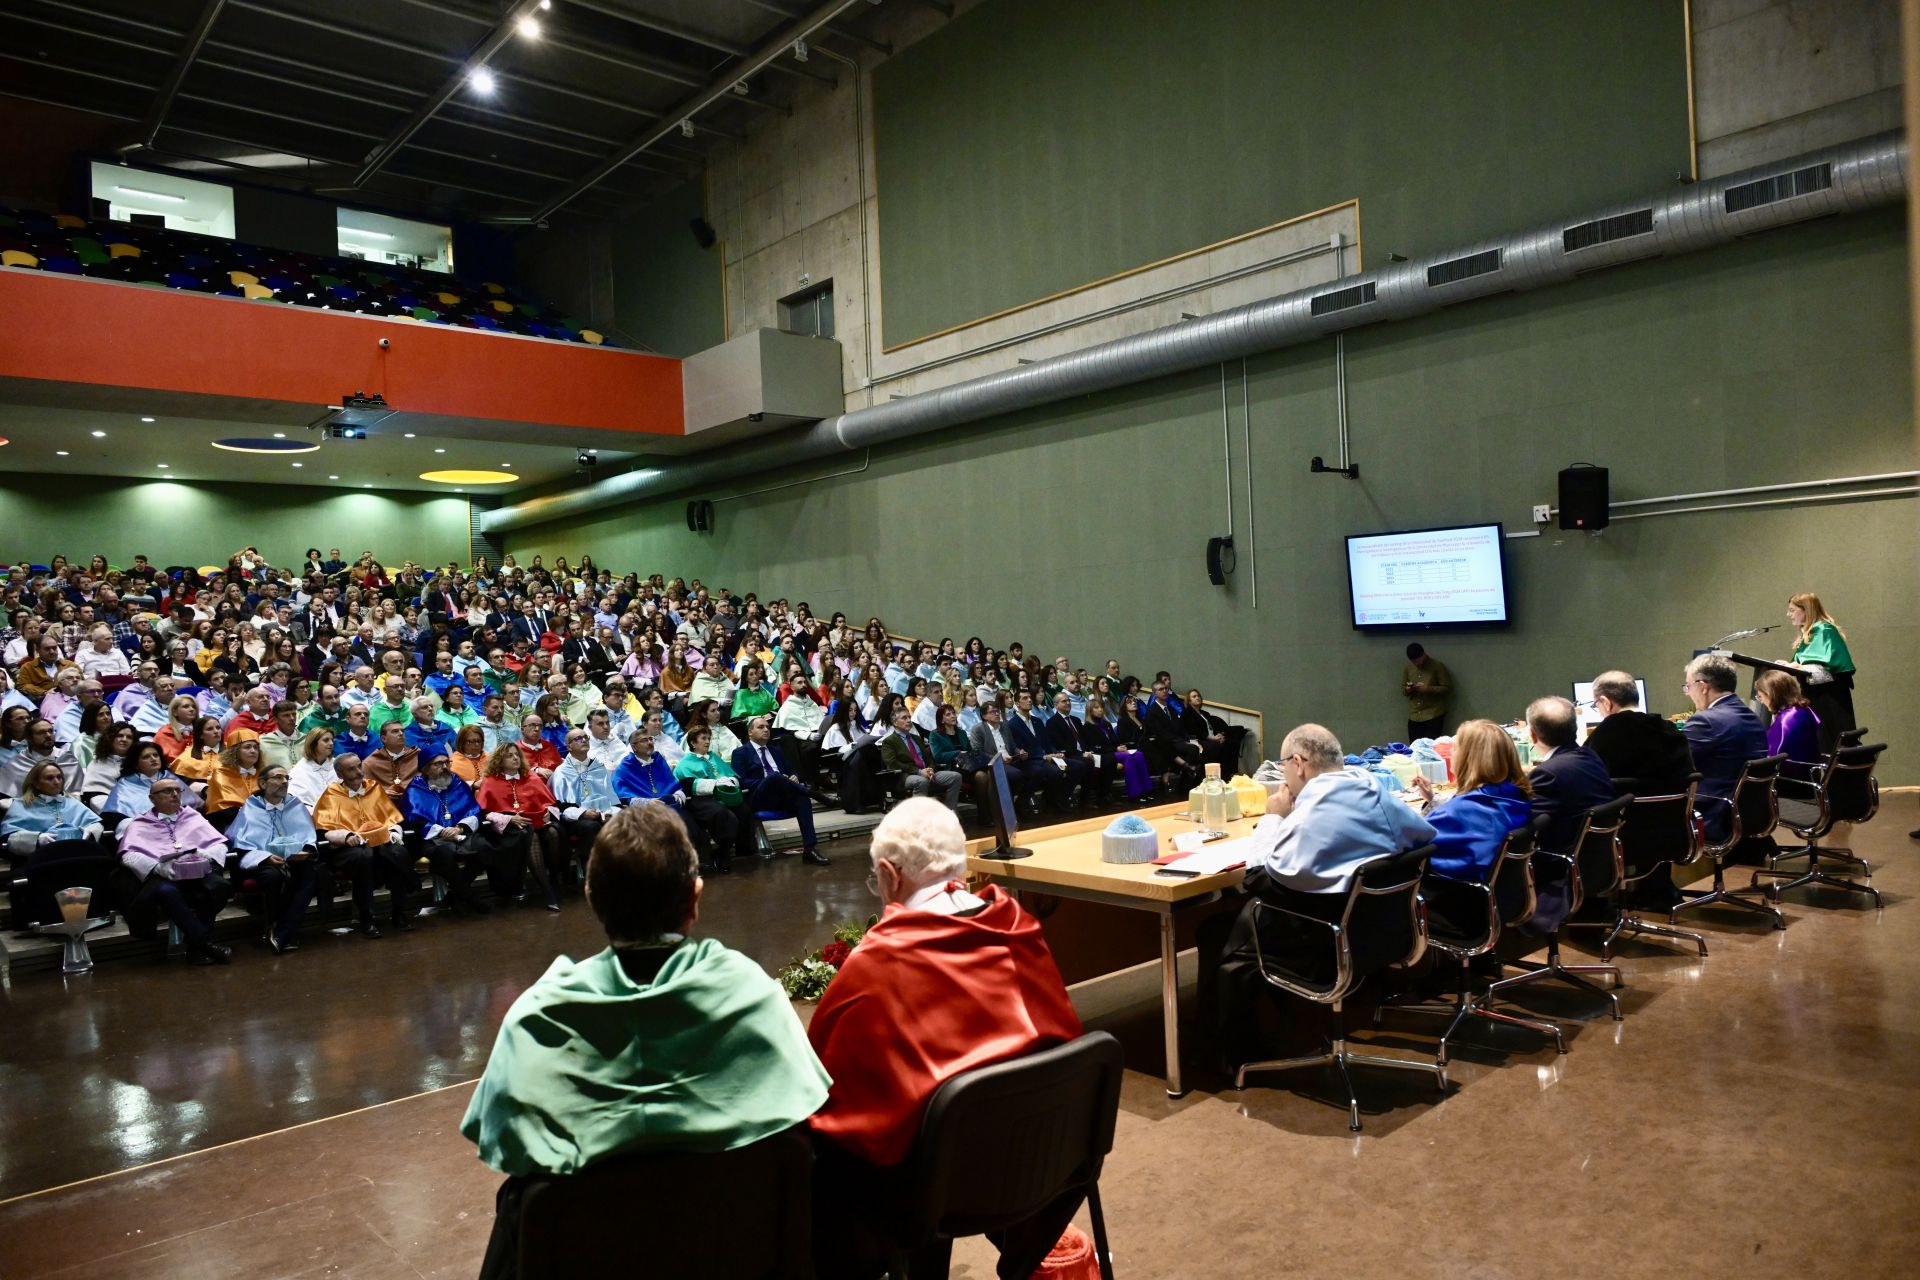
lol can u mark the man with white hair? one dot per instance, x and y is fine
(946, 981)
(1321, 826)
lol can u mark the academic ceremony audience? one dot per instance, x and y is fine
(336, 726)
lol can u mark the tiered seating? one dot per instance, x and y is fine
(167, 259)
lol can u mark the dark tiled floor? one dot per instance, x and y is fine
(1754, 1116)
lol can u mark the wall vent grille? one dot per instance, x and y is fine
(1343, 299)
(1604, 230)
(1785, 186)
(1477, 264)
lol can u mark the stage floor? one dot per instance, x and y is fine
(1754, 1115)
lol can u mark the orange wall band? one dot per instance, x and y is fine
(72, 329)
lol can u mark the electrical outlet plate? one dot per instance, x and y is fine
(1542, 513)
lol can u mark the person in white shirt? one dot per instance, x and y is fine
(602, 743)
(1324, 823)
(100, 656)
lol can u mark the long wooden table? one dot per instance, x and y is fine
(1066, 864)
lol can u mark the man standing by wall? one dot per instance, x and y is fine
(1427, 686)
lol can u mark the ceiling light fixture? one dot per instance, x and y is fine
(279, 435)
(528, 27)
(146, 419)
(59, 453)
(161, 465)
(299, 464)
(333, 477)
(151, 195)
(439, 450)
(463, 477)
(362, 231)
(409, 435)
(99, 435)
(482, 81)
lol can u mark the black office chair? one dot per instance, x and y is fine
(1464, 919)
(1591, 869)
(1842, 790)
(1753, 812)
(1004, 1142)
(1382, 923)
(1656, 832)
(745, 1213)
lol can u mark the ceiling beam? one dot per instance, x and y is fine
(720, 88)
(731, 47)
(177, 74)
(788, 11)
(489, 45)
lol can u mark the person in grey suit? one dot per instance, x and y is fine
(989, 739)
(1723, 734)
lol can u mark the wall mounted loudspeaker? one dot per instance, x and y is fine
(703, 232)
(700, 516)
(1583, 497)
(1220, 560)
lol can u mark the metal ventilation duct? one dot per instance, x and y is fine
(1851, 178)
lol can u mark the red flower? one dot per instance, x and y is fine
(835, 953)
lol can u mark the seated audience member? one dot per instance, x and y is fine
(712, 790)
(645, 774)
(97, 778)
(1102, 734)
(170, 864)
(603, 743)
(359, 738)
(469, 755)
(442, 825)
(770, 786)
(1567, 778)
(1217, 741)
(1492, 799)
(361, 828)
(948, 745)
(195, 765)
(583, 788)
(1320, 827)
(42, 813)
(278, 846)
(753, 697)
(327, 712)
(396, 764)
(40, 673)
(177, 735)
(542, 757)
(282, 743)
(1046, 770)
(1068, 739)
(395, 705)
(657, 1043)
(519, 806)
(427, 731)
(945, 982)
(1176, 756)
(902, 751)
(1647, 753)
(132, 792)
(255, 718)
(712, 685)
(309, 779)
(1724, 735)
(989, 739)
(39, 748)
(1794, 730)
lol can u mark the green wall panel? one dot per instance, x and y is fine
(1080, 527)
(178, 523)
(1036, 145)
(667, 290)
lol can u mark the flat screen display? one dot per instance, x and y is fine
(1418, 578)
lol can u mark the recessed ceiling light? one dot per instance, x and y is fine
(366, 486)
(59, 453)
(333, 477)
(146, 419)
(99, 435)
(299, 464)
(161, 465)
(459, 490)
(279, 435)
(439, 450)
(482, 81)
(528, 27)
(409, 435)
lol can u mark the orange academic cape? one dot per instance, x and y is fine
(923, 998)
(369, 814)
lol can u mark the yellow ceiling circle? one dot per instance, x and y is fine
(469, 477)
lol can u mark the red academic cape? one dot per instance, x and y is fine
(923, 998)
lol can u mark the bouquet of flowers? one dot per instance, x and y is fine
(806, 978)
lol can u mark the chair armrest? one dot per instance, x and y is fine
(1263, 904)
(1799, 784)
(1699, 800)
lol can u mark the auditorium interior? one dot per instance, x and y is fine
(759, 638)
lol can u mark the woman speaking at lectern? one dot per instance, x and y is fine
(1822, 648)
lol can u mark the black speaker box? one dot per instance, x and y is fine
(1583, 497)
(700, 516)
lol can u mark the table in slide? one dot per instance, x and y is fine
(1066, 864)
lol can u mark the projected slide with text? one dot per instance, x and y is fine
(1415, 579)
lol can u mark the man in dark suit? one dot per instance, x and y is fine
(1724, 735)
(1064, 740)
(769, 786)
(1648, 752)
(1567, 778)
(1027, 740)
(1169, 746)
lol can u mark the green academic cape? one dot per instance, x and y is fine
(589, 1063)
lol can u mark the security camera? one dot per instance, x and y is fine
(385, 343)
(588, 460)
